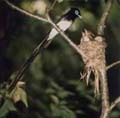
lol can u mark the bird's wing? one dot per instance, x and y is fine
(63, 25)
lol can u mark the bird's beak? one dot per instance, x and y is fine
(80, 17)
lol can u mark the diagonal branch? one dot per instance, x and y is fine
(114, 104)
(113, 64)
(103, 20)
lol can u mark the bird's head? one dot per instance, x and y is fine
(73, 13)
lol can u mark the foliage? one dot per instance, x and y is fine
(6, 108)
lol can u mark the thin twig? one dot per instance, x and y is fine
(25, 12)
(113, 64)
(53, 5)
(114, 104)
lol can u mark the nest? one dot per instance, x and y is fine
(93, 56)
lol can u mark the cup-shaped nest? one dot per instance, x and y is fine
(93, 49)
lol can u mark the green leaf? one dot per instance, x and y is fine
(62, 112)
(54, 99)
(7, 107)
(23, 96)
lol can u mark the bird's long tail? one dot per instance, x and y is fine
(40, 47)
(44, 44)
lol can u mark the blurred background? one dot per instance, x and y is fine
(53, 84)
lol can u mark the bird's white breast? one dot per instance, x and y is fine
(63, 25)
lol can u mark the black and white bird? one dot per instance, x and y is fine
(64, 23)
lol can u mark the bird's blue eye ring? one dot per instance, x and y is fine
(76, 12)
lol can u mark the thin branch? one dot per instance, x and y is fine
(115, 103)
(103, 20)
(103, 80)
(24, 11)
(113, 64)
(53, 5)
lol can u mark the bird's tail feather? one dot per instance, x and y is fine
(45, 43)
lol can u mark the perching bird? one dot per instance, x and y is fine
(64, 23)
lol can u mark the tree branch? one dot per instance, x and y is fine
(113, 64)
(104, 95)
(114, 104)
(103, 20)
(103, 80)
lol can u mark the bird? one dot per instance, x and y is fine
(64, 23)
